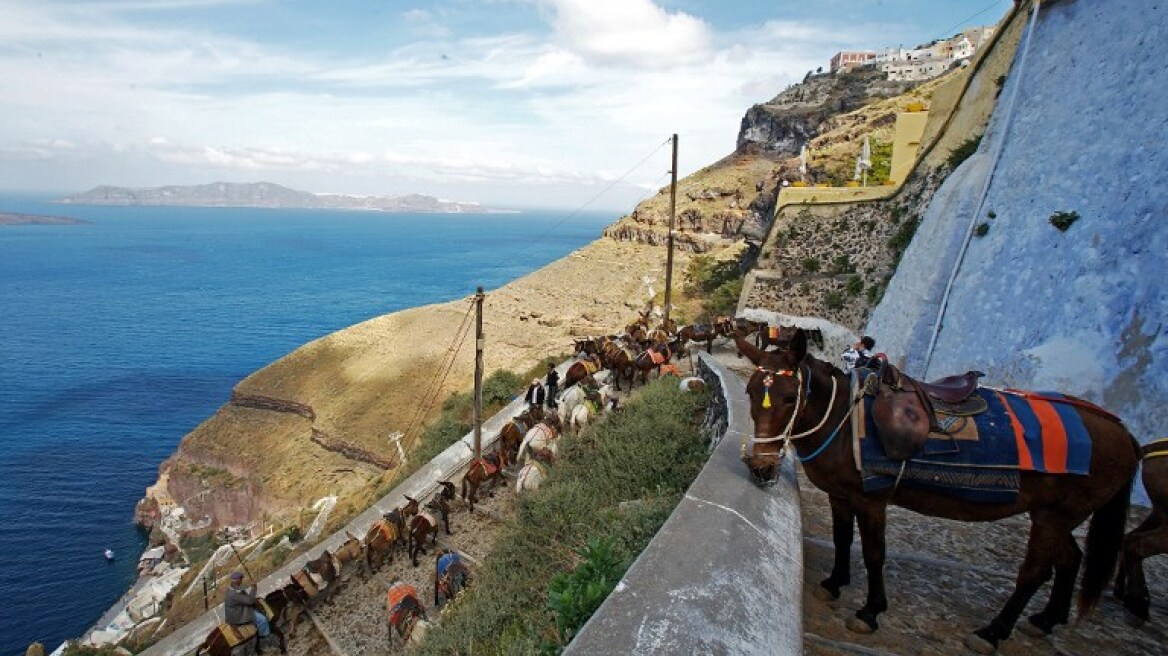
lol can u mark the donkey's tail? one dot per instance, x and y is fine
(1104, 540)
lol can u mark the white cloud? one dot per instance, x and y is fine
(577, 105)
(629, 32)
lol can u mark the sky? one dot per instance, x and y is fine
(511, 103)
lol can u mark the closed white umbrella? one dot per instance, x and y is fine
(865, 161)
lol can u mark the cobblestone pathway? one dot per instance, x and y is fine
(946, 579)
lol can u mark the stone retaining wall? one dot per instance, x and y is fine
(724, 575)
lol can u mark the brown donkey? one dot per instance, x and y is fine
(388, 532)
(1148, 539)
(797, 399)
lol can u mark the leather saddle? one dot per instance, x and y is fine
(905, 410)
(237, 634)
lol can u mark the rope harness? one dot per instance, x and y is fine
(802, 398)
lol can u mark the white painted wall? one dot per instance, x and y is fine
(1083, 311)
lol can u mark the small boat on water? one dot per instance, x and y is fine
(109, 554)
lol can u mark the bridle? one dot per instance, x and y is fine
(802, 398)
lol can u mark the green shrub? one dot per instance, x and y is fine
(810, 264)
(574, 596)
(903, 237)
(992, 214)
(963, 151)
(842, 264)
(199, 548)
(981, 230)
(881, 160)
(833, 300)
(855, 286)
(648, 452)
(717, 283)
(500, 387)
(1063, 220)
(724, 299)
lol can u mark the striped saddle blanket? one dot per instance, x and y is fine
(980, 457)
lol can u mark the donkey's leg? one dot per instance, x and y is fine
(1150, 522)
(1068, 556)
(871, 518)
(1137, 547)
(842, 533)
(1046, 535)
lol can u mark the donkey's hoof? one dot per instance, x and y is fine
(1032, 630)
(823, 594)
(857, 625)
(1133, 620)
(979, 644)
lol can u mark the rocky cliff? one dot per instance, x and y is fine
(790, 120)
(315, 422)
(734, 199)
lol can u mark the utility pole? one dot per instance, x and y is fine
(478, 381)
(672, 211)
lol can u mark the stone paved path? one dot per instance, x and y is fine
(945, 579)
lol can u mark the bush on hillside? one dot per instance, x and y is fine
(649, 452)
(963, 151)
(716, 283)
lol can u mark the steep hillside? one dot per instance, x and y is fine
(831, 256)
(315, 422)
(734, 198)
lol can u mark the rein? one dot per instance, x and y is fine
(801, 400)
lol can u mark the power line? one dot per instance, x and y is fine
(446, 365)
(949, 30)
(434, 389)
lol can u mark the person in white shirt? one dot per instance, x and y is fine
(859, 355)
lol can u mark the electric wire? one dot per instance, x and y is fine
(434, 389)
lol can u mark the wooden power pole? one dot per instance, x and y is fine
(669, 255)
(478, 380)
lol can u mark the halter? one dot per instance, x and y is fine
(801, 399)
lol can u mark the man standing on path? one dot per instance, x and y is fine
(535, 394)
(553, 385)
(239, 607)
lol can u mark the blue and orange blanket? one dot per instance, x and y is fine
(982, 457)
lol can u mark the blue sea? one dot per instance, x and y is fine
(119, 337)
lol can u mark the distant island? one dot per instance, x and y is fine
(14, 218)
(264, 194)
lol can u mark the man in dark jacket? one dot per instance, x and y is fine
(240, 607)
(553, 385)
(535, 394)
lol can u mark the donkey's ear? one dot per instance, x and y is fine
(797, 347)
(751, 351)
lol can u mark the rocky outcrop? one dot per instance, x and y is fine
(260, 402)
(791, 119)
(147, 513)
(734, 199)
(351, 451)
